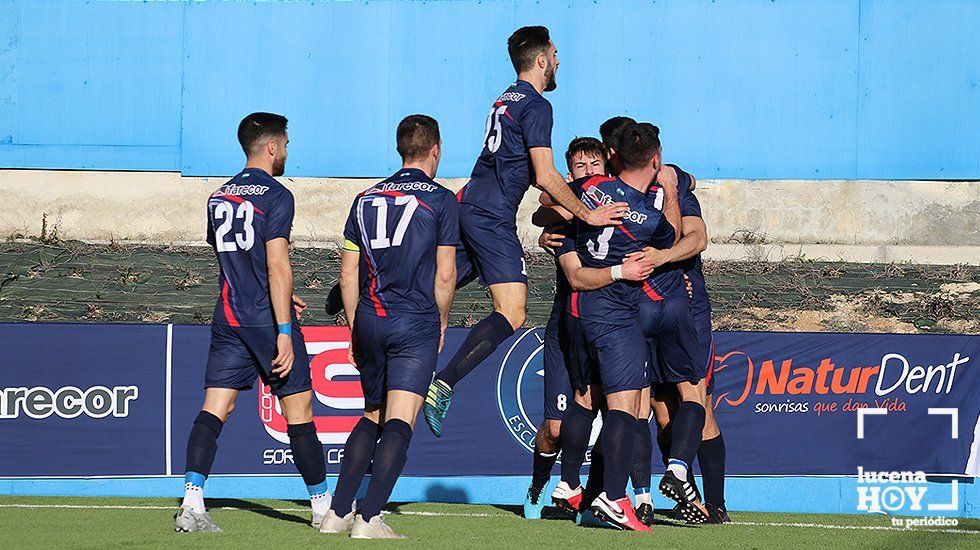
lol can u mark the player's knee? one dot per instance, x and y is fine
(552, 430)
(515, 316)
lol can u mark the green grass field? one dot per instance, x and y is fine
(49, 522)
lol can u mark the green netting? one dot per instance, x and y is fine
(79, 282)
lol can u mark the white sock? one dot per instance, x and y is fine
(321, 503)
(678, 467)
(193, 498)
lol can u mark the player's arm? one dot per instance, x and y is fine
(550, 181)
(445, 286)
(634, 268)
(349, 289)
(549, 213)
(281, 295)
(667, 178)
(693, 242)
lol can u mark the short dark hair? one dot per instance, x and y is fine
(584, 145)
(258, 126)
(638, 143)
(525, 45)
(611, 130)
(416, 135)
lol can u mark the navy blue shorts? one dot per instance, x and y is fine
(397, 352)
(557, 389)
(675, 349)
(489, 249)
(238, 354)
(582, 371)
(621, 354)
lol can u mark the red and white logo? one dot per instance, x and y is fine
(327, 347)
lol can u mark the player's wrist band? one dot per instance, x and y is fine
(617, 272)
(285, 328)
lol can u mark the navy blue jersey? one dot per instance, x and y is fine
(243, 214)
(692, 266)
(519, 120)
(601, 247)
(397, 225)
(667, 281)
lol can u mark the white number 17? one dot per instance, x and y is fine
(382, 241)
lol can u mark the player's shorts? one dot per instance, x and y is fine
(238, 354)
(674, 347)
(397, 352)
(581, 370)
(621, 354)
(557, 390)
(489, 249)
(706, 342)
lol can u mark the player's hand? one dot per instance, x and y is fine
(350, 355)
(283, 363)
(667, 178)
(299, 306)
(636, 267)
(607, 214)
(550, 240)
(656, 256)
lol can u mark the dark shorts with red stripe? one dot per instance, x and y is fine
(489, 249)
(239, 354)
(581, 369)
(396, 352)
(675, 351)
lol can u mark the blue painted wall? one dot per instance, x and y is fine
(741, 88)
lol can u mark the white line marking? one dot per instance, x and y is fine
(864, 411)
(170, 349)
(486, 515)
(954, 419)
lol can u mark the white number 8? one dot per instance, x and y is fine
(562, 401)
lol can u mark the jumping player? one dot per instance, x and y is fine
(584, 157)
(516, 153)
(255, 330)
(398, 275)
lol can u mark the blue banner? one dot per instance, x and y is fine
(88, 400)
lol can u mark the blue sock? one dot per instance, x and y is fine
(389, 459)
(686, 432)
(642, 455)
(574, 438)
(480, 342)
(202, 445)
(358, 452)
(593, 485)
(711, 457)
(619, 441)
(308, 454)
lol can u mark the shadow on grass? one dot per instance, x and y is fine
(262, 509)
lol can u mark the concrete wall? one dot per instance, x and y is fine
(757, 89)
(924, 222)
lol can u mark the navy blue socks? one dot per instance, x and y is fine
(576, 427)
(358, 452)
(389, 459)
(618, 444)
(481, 341)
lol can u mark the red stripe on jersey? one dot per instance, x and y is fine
(239, 200)
(460, 193)
(626, 231)
(379, 308)
(594, 181)
(574, 303)
(651, 292)
(229, 314)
